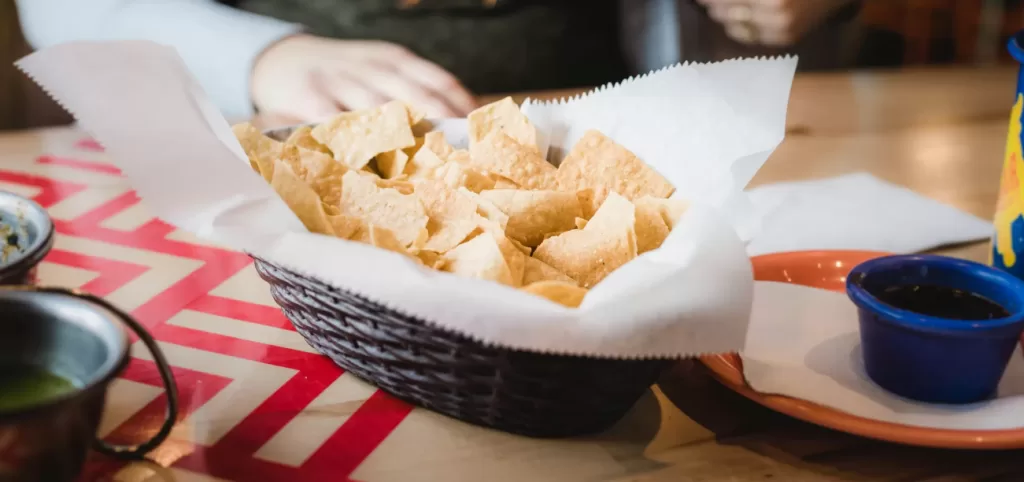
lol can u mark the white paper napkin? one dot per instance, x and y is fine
(691, 296)
(857, 211)
(805, 343)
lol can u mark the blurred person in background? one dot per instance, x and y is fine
(304, 60)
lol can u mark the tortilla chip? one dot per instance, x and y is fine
(415, 113)
(670, 209)
(391, 164)
(404, 187)
(487, 209)
(588, 255)
(502, 155)
(587, 202)
(452, 215)
(597, 162)
(503, 115)
(480, 258)
(430, 259)
(455, 175)
(502, 183)
(345, 227)
(301, 199)
(384, 238)
(651, 229)
(438, 144)
(420, 241)
(565, 294)
(356, 137)
(537, 270)
(261, 150)
(385, 207)
(318, 170)
(533, 215)
(460, 156)
(302, 137)
(423, 164)
(514, 252)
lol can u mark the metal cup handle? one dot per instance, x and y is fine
(140, 450)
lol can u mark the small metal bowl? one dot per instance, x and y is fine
(80, 338)
(26, 236)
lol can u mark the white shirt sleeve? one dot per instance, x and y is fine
(218, 43)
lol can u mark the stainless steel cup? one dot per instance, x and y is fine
(81, 338)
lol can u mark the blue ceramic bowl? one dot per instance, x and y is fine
(930, 358)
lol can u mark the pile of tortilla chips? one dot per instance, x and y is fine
(497, 211)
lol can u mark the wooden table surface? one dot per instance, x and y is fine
(938, 132)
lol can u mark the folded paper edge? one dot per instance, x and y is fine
(613, 85)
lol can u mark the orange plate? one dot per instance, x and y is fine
(828, 269)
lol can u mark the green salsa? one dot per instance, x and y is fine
(23, 386)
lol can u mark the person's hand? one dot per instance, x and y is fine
(310, 78)
(776, 23)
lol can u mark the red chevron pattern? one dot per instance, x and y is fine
(243, 373)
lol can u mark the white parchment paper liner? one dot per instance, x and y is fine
(707, 128)
(805, 343)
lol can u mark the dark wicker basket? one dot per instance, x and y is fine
(521, 392)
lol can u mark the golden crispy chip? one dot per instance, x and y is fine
(537, 270)
(487, 209)
(670, 209)
(302, 137)
(318, 170)
(385, 207)
(261, 150)
(480, 258)
(588, 255)
(651, 229)
(423, 164)
(415, 113)
(301, 199)
(391, 164)
(597, 162)
(503, 115)
(581, 223)
(455, 175)
(460, 156)
(533, 215)
(430, 259)
(404, 187)
(384, 238)
(502, 155)
(438, 143)
(587, 202)
(420, 241)
(345, 227)
(502, 183)
(565, 294)
(417, 121)
(515, 253)
(356, 137)
(452, 215)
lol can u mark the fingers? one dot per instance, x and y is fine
(390, 83)
(266, 121)
(349, 91)
(440, 81)
(767, 22)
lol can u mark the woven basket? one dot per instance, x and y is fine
(521, 392)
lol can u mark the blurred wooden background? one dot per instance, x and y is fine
(895, 33)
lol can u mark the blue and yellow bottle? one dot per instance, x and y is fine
(1008, 242)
